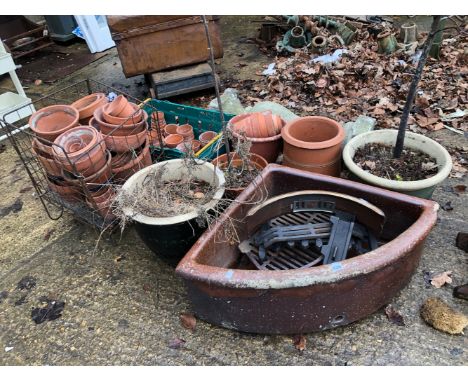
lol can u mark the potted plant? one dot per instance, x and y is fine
(394, 159)
(170, 202)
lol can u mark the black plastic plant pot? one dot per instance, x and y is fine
(171, 237)
(170, 242)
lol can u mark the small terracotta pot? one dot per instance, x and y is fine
(42, 148)
(172, 140)
(102, 195)
(119, 106)
(157, 120)
(88, 104)
(236, 162)
(65, 190)
(49, 122)
(259, 124)
(130, 120)
(50, 166)
(80, 149)
(268, 148)
(101, 176)
(121, 144)
(94, 123)
(207, 137)
(127, 166)
(186, 131)
(184, 146)
(313, 144)
(170, 129)
(116, 130)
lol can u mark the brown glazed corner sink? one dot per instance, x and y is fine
(312, 299)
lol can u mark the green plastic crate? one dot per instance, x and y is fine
(200, 119)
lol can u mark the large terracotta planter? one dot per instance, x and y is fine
(80, 149)
(313, 144)
(225, 293)
(49, 122)
(254, 160)
(421, 188)
(88, 104)
(263, 129)
(116, 130)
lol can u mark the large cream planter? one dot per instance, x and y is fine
(422, 188)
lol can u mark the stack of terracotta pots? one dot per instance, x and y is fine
(158, 123)
(181, 137)
(47, 124)
(263, 129)
(125, 130)
(82, 160)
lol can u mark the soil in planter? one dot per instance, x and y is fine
(162, 198)
(378, 160)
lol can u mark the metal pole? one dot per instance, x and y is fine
(218, 97)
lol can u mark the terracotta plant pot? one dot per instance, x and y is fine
(125, 167)
(88, 104)
(116, 130)
(186, 131)
(50, 166)
(257, 125)
(207, 137)
(170, 129)
(64, 189)
(42, 147)
(119, 107)
(99, 177)
(267, 147)
(172, 140)
(157, 120)
(121, 144)
(135, 117)
(80, 149)
(51, 121)
(103, 194)
(421, 188)
(254, 160)
(313, 144)
(185, 146)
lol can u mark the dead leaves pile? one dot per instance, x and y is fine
(364, 82)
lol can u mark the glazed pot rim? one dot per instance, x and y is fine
(337, 139)
(361, 139)
(174, 163)
(385, 255)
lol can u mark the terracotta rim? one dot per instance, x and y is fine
(257, 140)
(35, 117)
(70, 177)
(121, 130)
(59, 144)
(89, 103)
(127, 165)
(336, 139)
